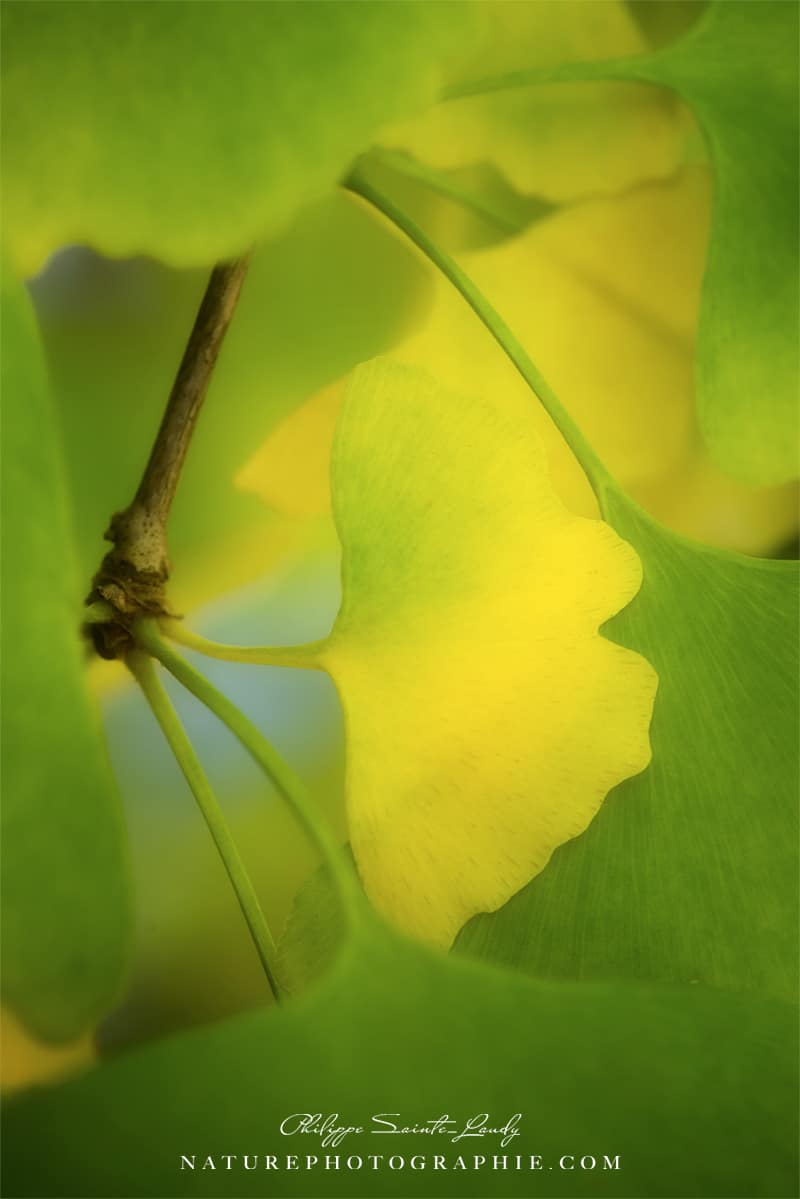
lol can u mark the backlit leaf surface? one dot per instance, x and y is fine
(189, 131)
(737, 70)
(64, 878)
(575, 1060)
(562, 142)
(689, 873)
(605, 296)
(485, 718)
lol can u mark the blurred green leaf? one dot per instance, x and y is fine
(689, 872)
(189, 131)
(397, 1029)
(738, 70)
(64, 879)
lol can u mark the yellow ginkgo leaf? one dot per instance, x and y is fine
(486, 717)
(517, 37)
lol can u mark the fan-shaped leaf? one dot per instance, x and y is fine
(485, 718)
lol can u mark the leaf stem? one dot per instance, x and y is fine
(277, 770)
(596, 471)
(144, 671)
(302, 656)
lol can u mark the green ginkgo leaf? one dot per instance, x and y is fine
(485, 717)
(395, 1028)
(188, 131)
(737, 70)
(689, 874)
(64, 878)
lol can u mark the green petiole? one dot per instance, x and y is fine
(144, 671)
(290, 786)
(305, 657)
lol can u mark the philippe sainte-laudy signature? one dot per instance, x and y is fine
(333, 1129)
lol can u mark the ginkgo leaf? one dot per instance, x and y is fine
(65, 886)
(587, 271)
(621, 277)
(605, 295)
(189, 131)
(737, 70)
(586, 276)
(486, 719)
(691, 875)
(396, 1028)
(512, 34)
(562, 142)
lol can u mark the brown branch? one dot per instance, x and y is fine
(133, 575)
